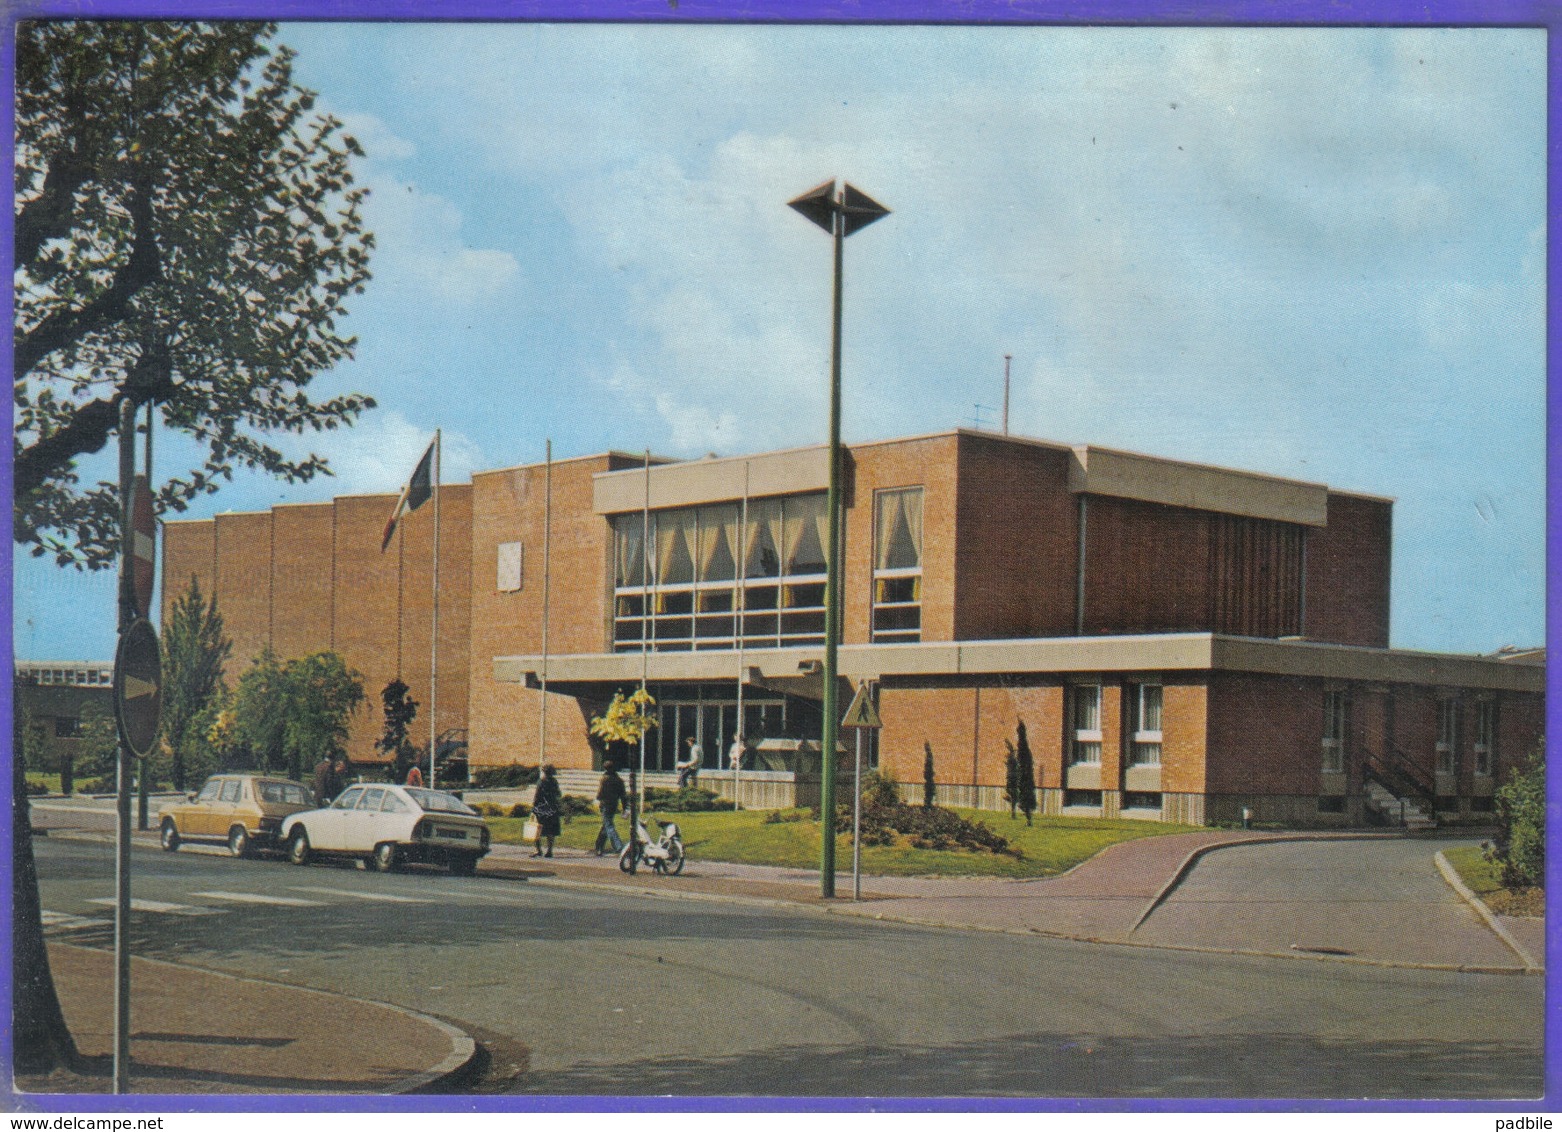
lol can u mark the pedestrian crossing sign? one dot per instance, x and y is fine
(861, 713)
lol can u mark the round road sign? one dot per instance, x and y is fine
(138, 687)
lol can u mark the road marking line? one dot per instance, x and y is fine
(64, 922)
(360, 895)
(257, 898)
(139, 905)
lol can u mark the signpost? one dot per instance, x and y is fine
(861, 716)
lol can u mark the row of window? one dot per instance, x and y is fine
(1143, 701)
(1450, 729)
(89, 675)
(710, 577)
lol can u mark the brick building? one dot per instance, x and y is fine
(1181, 642)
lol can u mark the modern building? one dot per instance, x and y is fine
(55, 697)
(1181, 642)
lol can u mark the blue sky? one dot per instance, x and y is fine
(1312, 253)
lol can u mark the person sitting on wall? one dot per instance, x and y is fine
(689, 766)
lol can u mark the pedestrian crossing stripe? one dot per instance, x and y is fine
(257, 898)
(361, 895)
(64, 922)
(139, 905)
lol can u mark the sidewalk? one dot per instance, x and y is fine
(1106, 899)
(196, 1031)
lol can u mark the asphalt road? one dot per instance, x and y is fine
(586, 992)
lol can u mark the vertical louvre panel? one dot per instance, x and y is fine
(1256, 577)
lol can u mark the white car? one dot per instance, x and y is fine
(389, 826)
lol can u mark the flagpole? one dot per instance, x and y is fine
(433, 652)
(646, 624)
(547, 548)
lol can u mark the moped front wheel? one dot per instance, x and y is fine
(629, 859)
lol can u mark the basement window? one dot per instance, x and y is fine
(1082, 798)
(1331, 804)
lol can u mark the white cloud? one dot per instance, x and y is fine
(422, 256)
(379, 142)
(379, 453)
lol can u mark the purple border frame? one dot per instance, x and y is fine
(1546, 14)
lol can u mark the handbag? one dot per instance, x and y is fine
(531, 831)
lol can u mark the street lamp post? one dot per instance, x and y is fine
(839, 214)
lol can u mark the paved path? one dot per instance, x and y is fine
(1379, 900)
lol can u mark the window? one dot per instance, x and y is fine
(394, 805)
(348, 798)
(231, 790)
(371, 798)
(897, 564)
(1085, 724)
(210, 791)
(1485, 736)
(283, 792)
(1335, 709)
(1448, 736)
(705, 578)
(1331, 804)
(1081, 798)
(1141, 800)
(1144, 725)
(67, 727)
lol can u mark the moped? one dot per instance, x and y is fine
(664, 854)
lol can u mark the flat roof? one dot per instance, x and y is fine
(1170, 652)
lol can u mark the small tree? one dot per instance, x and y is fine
(323, 694)
(1011, 777)
(259, 713)
(400, 710)
(1025, 775)
(195, 650)
(929, 789)
(99, 743)
(626, 719)
(1519, 849)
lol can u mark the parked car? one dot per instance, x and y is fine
(244, 810)
(389, 826)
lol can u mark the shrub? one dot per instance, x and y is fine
(574, 806)
(689, 800)
(778, 817)
(1519, 849)
(490, 809)
(520, 810)
(887, 820)
(503, 777)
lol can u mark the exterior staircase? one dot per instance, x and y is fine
(1397, 810)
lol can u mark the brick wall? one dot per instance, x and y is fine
(1265, 734)
(931, 463)
(967, 726)
(1017, 541)
(1348, 565)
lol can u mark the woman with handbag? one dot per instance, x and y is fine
(547, 804)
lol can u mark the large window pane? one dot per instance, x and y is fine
(805, 534)
(898, 529)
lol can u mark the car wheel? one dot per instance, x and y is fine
(386, 858)
(170, 835)
(675, 857)
(464, 865)
(238, 841)
(298, 847)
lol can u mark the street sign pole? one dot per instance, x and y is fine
(857, 824)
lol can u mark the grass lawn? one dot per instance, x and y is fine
(50, 782)
(1051, 846)
(1486, 882)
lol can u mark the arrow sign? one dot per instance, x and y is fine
(862, 713)
(138, 687)
(143, 523)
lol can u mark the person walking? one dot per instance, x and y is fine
(414, 776)
(611, 795)
(689, 767)
(547, 804)
(327, 784)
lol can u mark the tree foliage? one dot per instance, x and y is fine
(1011, 777)
(626, 719)
(400, 710)
(929, 787)
(186, 233)
(195, 650)
(289, 715)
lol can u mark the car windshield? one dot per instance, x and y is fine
(438, 802)
(290, 793)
